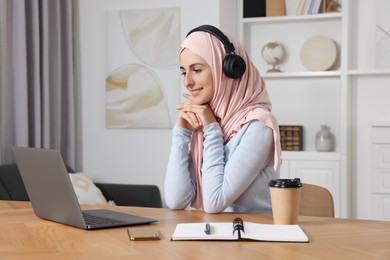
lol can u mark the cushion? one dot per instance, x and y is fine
(86, 190)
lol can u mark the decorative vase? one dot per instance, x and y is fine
(324, 139)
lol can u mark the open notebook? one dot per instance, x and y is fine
(239, 230)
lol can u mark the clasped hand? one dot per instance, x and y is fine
(193, 116)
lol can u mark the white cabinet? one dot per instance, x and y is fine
(314, 168)
(380, 178)
(308, 98)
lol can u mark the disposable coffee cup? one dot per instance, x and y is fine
(285, 199)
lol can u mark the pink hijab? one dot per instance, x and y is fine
(236, 101)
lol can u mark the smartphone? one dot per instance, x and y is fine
(143, 234)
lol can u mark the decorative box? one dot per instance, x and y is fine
(291, 137)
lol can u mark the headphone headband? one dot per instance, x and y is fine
(233, 66)
(229, 47)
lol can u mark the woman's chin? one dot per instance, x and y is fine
(199, 101)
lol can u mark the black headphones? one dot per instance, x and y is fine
(233, 65)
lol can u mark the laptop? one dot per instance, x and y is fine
(52, 195)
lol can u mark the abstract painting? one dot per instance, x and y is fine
(142, 67)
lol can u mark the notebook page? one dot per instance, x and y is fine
(195, 231)
(271, 232)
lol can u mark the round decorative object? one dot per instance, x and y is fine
(318, 53)
(324, 139)
(273, 53)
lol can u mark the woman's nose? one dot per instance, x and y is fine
(188, 81)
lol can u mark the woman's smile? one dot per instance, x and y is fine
(196, 92)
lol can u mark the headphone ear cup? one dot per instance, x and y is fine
(233, 66)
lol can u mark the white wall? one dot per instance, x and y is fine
(127, 155)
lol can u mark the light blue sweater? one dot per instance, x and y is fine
(235, 176)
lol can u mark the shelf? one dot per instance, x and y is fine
(304, 74)
(380, 124)
(315, 156)
(369, 72)
(292, 18)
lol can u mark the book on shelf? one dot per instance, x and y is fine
(239, 231)
(254, 8)
(315, 8)
(301, 6)
(306, 7)
(275, 7)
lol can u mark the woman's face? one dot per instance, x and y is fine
(197, 77)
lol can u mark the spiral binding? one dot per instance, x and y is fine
(238, 225)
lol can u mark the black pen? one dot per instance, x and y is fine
(207, 229)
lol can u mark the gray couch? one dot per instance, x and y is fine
(12, 188)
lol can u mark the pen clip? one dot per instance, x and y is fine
(207, 229)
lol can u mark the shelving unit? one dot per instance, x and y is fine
(369, 84)
(308, 98)
(348, 98)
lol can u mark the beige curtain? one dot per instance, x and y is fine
(39, 77)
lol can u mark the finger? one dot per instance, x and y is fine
(199, 120)
(188, 107)
(186, 118)
(187, 96)
(182, 105)
(193, 119)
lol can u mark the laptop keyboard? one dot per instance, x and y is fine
(92, 220)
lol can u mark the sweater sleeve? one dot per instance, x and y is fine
(225, 179)
(180, 183)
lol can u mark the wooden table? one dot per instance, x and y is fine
(24, 236)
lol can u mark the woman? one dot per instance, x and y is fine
(225, 144)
